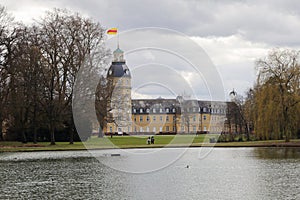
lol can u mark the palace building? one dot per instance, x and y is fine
(153, 116)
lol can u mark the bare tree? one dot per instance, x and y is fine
(67, 41)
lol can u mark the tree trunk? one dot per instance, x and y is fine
(1, 133)
(71, 137)
(52, 135)
(24, 138)
(34, 135)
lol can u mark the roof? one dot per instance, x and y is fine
(151, 104)
(118, 50)
(118, 69)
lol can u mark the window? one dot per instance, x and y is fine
(182, 128)
(141, 110)
(167, 118)
(148, 129)
(174, 128)
(173, 110)
(147, 110)
(194, 128)
(148, 118)
(204, 128)
(204, 117)
(160, 129)
(160, 110)
(154, 110)
(154, 118)
(141, 129)
(194, 118)
(167, 110)
(194, 109)
(167, 128)
(110, 129)
(154, 129)
(161, 118)
(204, 109)
(135, 119)
(134, 110)
(141, 118)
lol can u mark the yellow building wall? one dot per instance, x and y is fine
(158, 123)
(153, 122)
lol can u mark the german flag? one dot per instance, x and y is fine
(112, 31)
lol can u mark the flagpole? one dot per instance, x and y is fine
(118, 40)
(118, 37)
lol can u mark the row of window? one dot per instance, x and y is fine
(173, 110)
(154, 110)
(154, 129)
(167, 118)
(167, 129)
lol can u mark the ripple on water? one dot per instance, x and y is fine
(245, 173)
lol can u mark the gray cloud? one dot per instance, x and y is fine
(273, 22)
(234, 32)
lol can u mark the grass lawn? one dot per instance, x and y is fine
(138, 142)
(160, 140)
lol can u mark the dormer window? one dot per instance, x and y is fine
(154, 110)
(167, 110)
(141, 110)
(160, 110)
(147, 110)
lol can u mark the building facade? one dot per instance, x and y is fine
(142, 116)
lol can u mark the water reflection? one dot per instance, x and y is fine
(226, 173)
(277, 153)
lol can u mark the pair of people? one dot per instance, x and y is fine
(150, 140)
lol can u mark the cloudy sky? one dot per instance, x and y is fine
(233, 33)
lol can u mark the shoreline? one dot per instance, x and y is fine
(256, 144)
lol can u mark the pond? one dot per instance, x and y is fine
(224, 173)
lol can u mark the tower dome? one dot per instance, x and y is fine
(118, 66)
